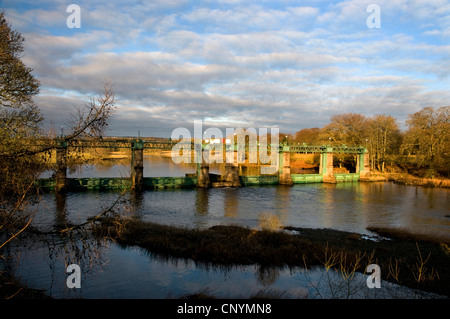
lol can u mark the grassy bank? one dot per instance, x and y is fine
(407, 179)
(420, 263)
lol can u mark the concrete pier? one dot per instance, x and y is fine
(231, 177)
(284, 169)
(326, 166)
(203, 180)
(137, 164)
(362, 164)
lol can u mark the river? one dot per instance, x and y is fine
(112, 271)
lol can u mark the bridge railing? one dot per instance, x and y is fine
(168, 144)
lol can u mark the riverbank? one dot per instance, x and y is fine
(406, 179)
(405, 259)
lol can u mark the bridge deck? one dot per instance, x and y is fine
(168, 144)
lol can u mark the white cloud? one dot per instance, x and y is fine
(261, 63)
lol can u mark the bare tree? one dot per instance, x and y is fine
(23, 145)
(307, 135)
(346, 128)
(428, 138)
(383, 139)
(92, 119)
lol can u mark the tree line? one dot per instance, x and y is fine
(422, 149)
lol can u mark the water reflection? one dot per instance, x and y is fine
(60, 213)
(267, 276)
(328, 199)
(282, 199)
(346, 206)
(202, 201)
(154, 166)
(231, 203)
(112, 271)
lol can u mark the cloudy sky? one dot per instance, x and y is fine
(230, 63)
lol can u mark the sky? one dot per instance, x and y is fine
(229, 63)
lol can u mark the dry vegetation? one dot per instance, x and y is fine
(406, 260)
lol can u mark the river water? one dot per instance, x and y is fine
(112, 271)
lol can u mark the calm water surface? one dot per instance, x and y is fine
(111, 271)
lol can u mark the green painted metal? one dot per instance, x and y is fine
(98, 183)
(137, 144)
(102, 184)
(101, 143)
(361, 162)
(352, 177)
(169, 182)
(76, 184)
(45, 183)
(61, 143)
(248, 180)
(323, 165)
(80, 184)
(307, 178)
(168, 144)
(306, 149)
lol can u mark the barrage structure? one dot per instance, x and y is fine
(202, 178)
